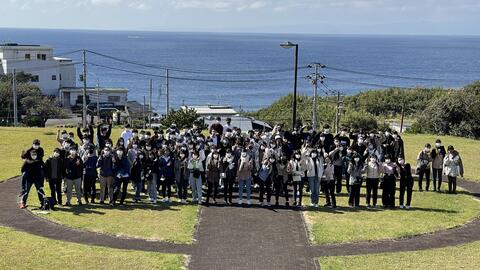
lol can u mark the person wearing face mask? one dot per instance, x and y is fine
(90, 175)
(73, 176)
(151, 176)
(244, 176)
(132, 152)
(195, 167)
(32, 172)
(105, 164)
(314, 166)
(26, 155)
(62, 136)
(298, 173)
(213, 176)
(374, 169)
(181, 175)
(343, 138)
(137, 174)
(229, 173)
(216, 126)
(359, 146)
(423, 166)
(452, 167)
(397, 146)
(328, 142)
(121, 175)
(328, 183)
(55, 172)
(336, 157)
(390, 171)
(281, 181)
(406, 183)
(85, 133)
(265, 175)
(126, 133)
(167, 174)
(438, 155)
(355, 170)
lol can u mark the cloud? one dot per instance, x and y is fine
(221, 5)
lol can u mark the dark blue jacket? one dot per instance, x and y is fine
(121, 166)
(90, 166)
(73, 170)
(106, 166)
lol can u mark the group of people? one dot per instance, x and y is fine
(228, 159)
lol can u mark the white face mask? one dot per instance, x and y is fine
(360, 141)
(387, 160)
(134, 146)
(387, 133)
(326, 131)
(108, 145)
(244, 155)
(272, 160)
(86, 141)
(148, 148)
(322, 139)
(215, 156)
(314, 155)
(119, 153)
(356, 159)
(73, 152)
(106, 153)
(349, 151)
(36, 146)
(373, 160)
(298, 156)
(182, 155)
(34, 157)
(395, 136)
(147, 137)
(141, 156)
(438, 144)
(401, 161)
(56, 154)
(64, 136)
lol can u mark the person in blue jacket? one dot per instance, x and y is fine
(121, 174)
(90, 174)
(167, 173)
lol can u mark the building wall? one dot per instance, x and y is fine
(103, 97)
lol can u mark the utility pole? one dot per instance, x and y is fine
(150, 104)
(98, 100)
(84, 108)
(14, 89)
(403, 115)
(167, 107)
(337, 115)
(143, 112)
(314, 78)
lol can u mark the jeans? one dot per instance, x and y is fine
(244, 183)
(437, 175)
(27, 185)
(138, 186)
(314, 189)
(329, 189)
(152, 188)
(77, 183)
(196, 186)
(372, 190)
(421, 173)
(56, 190)
(106, 185)
(120, 183)
(298, 192)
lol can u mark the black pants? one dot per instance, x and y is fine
(329, 189)
(182, 186)
(388, 192)
(421, 173)
(408, 187)
(210, 186)
(228, 189)
(372, 190)
(266, 186)
(347, 182)
(279, 186)
(120, 183)
(166, 188)
(437, 176)
(452, 184)
(55, 190)
(89, 189)
(354, 196)
(298, 192)
(337, 175)
(27, 185)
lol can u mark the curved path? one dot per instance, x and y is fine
(238, 237)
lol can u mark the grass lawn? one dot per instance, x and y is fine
(24, 251)
(430, 212)
(468, 149)
(172, 223)
(458, 257)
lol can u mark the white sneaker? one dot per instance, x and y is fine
(169, 200)
(183, 201)
(240, 202)
(407, 207)
(154, 201)
(401, 206)
(264, 203)
(316, 205)
(248, 202)
(311, 204)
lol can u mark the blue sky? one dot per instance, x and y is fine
(453, 17)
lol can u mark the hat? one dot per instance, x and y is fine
(36, 141)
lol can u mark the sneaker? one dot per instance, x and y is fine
(368, 205)
(407, 207)
(22, 205)
(311, 204)
(183, 201)
(240, 202)
(169, 200)
(287, 204)
(316, 205)
(80, 203)
(401, 206)
(268, 205)
(68, 204)
(248, 202)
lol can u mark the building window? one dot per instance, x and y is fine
(60, 76)
(113, 98)
(39, 56)
(54, 77)
(35, 78)
(27, 56)
(44, 57)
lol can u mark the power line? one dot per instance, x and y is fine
(197, 71)
(368, 84)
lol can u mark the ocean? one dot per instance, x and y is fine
(233, 65)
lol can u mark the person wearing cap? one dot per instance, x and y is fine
(55, 173)
(452, 167)
(438, 154)
(423, 166)
(90, 174)
(244, 176)
(73, 176)
(355, 170)
(32, 172)
(105, 164)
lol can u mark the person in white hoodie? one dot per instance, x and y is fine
(314, 167)
(452, 167)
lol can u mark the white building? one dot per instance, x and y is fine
(50, 73)
(107, 97)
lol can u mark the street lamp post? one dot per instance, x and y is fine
(288, 45)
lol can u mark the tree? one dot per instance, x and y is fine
(473, 88)
(182, 118)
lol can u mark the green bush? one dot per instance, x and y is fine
(182, 118)
(33, 121)
(359, 120)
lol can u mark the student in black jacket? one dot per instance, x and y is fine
(406, 183)
(137, 173)
(32, 170)
(55, 172)
(103, 134)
